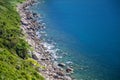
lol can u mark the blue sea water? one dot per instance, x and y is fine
(88, 31)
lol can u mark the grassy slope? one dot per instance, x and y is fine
(15, 63)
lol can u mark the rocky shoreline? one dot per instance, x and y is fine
(30, 26)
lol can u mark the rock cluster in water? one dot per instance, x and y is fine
(30, 26)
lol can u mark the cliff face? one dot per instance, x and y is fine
(15, 63)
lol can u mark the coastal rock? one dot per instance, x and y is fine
(60, 73)
(35, 15)
(38, 69)
(69, 70)
(56, 76)
(67, 78)
(61, 65)
(47, 58)
(34, 57)
(43, 59)
(23, 22)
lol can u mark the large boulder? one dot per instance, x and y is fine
(34, 57)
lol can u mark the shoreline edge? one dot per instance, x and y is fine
(29, 27)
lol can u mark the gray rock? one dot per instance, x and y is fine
(60, 73)
(34, 57)
(43, 59)
(61, 64)
(56, 76)
(67, 78)
(38, 69)
(69, 70)
(35, 15)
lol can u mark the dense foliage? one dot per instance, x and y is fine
(14, 63)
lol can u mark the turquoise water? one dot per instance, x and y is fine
(88, 31)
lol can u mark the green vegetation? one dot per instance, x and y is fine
(15, 63)
(14, 68)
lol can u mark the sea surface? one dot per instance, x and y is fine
(84, 34)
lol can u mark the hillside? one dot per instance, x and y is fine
(15, 63)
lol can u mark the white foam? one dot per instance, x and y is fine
(42, 32)
(38, 34)
(48, 46)
(51, 49)
(69, 62)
